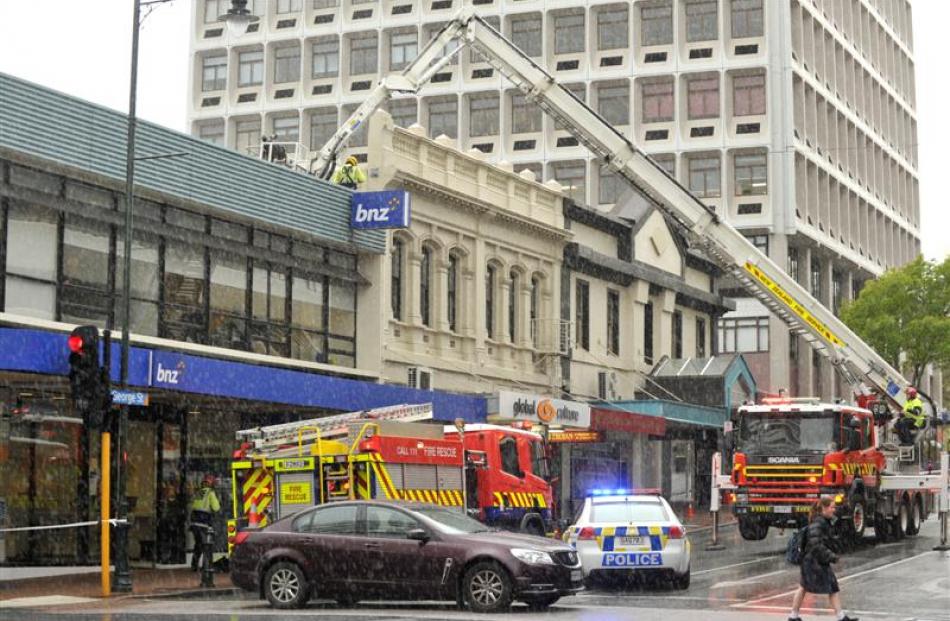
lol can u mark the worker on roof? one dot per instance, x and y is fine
(349, 175)
(913, 417)
(204, 506)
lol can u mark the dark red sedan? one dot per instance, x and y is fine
(353, 551)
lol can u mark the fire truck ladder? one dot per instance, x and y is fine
(305, 432)
(780, 293)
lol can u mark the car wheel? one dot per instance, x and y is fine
(285, 586)
(752, 530)
(542, 603)
(681, 581)
(487, 587)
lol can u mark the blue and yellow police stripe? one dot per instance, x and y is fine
(606, 536)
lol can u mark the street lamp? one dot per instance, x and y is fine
(238, 18)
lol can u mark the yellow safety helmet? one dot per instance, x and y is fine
(352, 161)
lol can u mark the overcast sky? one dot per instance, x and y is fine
(82, 48)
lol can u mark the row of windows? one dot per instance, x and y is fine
(582, 325)
(454, 296)
(181, 290)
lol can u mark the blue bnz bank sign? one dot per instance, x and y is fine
(387, 209)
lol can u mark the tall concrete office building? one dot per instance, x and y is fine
(794, 119)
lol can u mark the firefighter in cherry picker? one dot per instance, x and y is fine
(349, 175)
(204, 507)
(912, 419)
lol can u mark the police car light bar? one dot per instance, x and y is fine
(625, 492)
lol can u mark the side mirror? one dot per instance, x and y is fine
(854, 422)
(418, 534)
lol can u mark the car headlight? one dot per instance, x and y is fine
(532, 557)
(743, 498)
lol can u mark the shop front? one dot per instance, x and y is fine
(192, 403)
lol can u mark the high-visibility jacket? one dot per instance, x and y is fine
(914, 409)
(206, 501)
(349, 176)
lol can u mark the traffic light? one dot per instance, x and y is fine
(86, 378)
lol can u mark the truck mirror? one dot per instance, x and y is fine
(855, 422)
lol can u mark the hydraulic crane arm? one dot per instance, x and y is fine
(825, 332)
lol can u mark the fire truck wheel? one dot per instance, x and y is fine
(882, 528)
(899, 522)
(858, 518)
(913, 518)
(487, 587)
(285, 586)
(752, 530)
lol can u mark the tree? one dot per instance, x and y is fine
(906, 312)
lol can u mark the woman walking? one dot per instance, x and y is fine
(817, 575)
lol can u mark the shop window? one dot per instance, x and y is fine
(509, 457)
(183, 311)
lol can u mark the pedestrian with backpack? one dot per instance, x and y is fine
(817, 575)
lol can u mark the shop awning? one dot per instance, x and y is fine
(672, 411)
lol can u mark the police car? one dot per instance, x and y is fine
(630, 531)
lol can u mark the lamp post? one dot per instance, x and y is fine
(238, 17)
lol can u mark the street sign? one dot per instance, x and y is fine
(128, 397)
(576, 436)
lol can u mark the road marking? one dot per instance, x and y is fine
(709, 571)
(842, 579)
(45, 600)
(750, 579)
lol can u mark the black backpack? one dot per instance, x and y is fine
(795, 549)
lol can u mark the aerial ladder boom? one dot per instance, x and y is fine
(785, 297)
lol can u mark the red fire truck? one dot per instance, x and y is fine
(498, 474)
(789, 452)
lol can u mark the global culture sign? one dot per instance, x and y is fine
(388, 209)
(543, 410)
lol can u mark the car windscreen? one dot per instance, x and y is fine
(628, 511)
(452, 522)
(778, 433)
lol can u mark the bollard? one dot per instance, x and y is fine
(714, 545)
(943, 547)
(207, 544)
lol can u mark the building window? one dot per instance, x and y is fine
(513, 282)
(526, 34)
(475, 56)
(286, 64)
(666, 161)
(702, 96)
(185, 289)
(743, 335)
(325, 4)
(326, 58)
(748, 95)
(648, 333)
(212, 132)
(793, 267)
(308, 319)
(359, 138)
(535, 308)
(483, 115)
(364, 55)
(403, 111)
(84, 291)
(612, 30)
(525, 115)
(700, 337)
(425, 286)
(610, 188)
(702, 20)
(751, 174)
(395, 278)
(677, 341)
(571, 175)
(214, 73)
(287, 129)
(250, 68)
(215, 9)
(656, 24)
(227, 324)
(856, 287)
(837, 291)
(761, 243)
(816, 279)
(288, 6)
(705, 176)
(452, 297)
(657, 101)
(443, 118)
(613, 103)
(569, 33)
(403, 48)
(145, 284)
(747, 19)
(582, 314)
(248, 137)
(613, 322)
(323, 124)
(490, 301)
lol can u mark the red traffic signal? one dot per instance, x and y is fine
(75, 343)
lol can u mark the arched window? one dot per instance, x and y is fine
(535, 306)
(490, 301)
(396, 278)
(512, 305)
(452, 297)
(425, 281)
